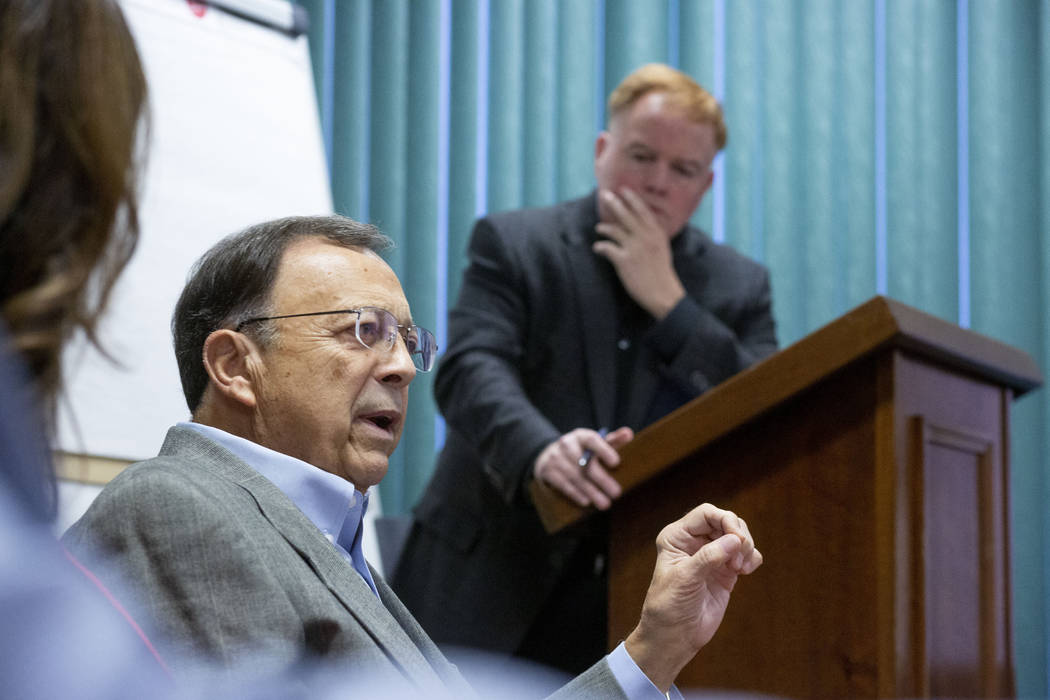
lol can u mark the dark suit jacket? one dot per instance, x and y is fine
(230, 568)
(532, 355)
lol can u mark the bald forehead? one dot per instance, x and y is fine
(322, 275)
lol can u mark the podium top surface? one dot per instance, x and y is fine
(873, 326)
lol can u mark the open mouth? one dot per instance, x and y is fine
(384, 420)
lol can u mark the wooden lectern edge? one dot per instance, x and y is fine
(556, 510)
(944, 341)
(868, 328)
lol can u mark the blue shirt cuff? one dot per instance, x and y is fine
(634, 683)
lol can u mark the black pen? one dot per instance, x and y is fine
(587, 454)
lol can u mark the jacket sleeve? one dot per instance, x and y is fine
(193, 568)
(709, 337)
(479, 386)
(596, 682)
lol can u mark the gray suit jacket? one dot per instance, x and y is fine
(229, 568)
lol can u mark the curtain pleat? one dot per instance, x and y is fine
(540, 74)
(635, 33)
(579, 105)
(783, 159)
(921, 117)
(1007, 235)
(1033, 663)
(349, 137)
(743, 102)
(419, 250)
(506, 105)
(464, 126)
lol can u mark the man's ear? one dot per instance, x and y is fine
(601, 143)
(710, 181)
(228, 357)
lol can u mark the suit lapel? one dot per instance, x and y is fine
(343, 582)
(595, 308)
(690, 263)
(336, 574)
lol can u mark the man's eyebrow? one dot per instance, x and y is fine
(691, 162)
(400, 319)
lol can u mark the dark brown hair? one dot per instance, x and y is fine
(72, 97)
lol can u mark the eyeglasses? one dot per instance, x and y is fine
(378, 329)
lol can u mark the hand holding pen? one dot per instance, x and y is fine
(577, 464)
(589, 453)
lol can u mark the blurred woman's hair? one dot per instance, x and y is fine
(72, 105)
(72, 101)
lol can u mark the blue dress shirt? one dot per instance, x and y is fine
(330, 502)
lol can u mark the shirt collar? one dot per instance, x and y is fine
(331, 502)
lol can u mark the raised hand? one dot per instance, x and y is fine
(640, 250)
(698, 561)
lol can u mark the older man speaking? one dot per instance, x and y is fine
(296, 347)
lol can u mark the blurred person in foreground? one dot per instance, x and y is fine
(296, 348)
(607, 311)
(72, 96)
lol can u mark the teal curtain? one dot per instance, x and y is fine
(897, 147)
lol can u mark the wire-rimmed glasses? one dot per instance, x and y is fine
(378, 329)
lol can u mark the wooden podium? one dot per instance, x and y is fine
(870, 460)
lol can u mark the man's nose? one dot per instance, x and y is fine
(658, 178)
(397, 366)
